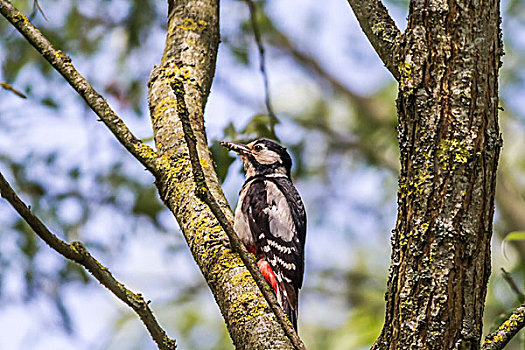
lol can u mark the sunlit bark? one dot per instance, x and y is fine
(449, 142)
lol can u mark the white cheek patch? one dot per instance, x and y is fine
(267, 157)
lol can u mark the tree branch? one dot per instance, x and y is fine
(262, 65)
(243, 308)
(507, 330)
(380, 30)
(77, 252)
(62, 63)
(510, 204)
(204, 193)
(283, 42)
(512, 284)
(366, 107)
(9, 87)
(189, 57)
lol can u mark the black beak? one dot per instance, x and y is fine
(236, 147)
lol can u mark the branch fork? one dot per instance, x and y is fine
(154, 163)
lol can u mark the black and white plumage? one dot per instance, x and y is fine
(270, 219)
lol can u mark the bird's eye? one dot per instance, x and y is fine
(257, 148)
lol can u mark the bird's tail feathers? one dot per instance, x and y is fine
(287, 296)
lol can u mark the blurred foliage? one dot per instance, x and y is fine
(515, 236)
(222, 160)
(338, 134)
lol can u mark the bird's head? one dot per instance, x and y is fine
(262, 157)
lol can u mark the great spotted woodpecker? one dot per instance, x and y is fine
(270, 219)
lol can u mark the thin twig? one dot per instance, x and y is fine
(282, 41)
(36, 9)
(9, 87)
(204, 193)
(365, 107)
(508, 329)
(262, 64)
(77, 252)
(513, 285)
(381, 31)
(62, 63)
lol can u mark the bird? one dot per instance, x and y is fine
(270, 219)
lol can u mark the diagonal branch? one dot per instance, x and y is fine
(204, 193)
(380, 30)
(508, 329)
(77, 252)
(62, 63)
(364, 105)
(262, 64)
(189, 59)
(198, 32)
(9, 87)
(512, 284)
(310, 63)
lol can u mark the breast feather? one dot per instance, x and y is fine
(240, 225)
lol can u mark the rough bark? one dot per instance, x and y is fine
(189, 57)
(449, 142)
(508, 329)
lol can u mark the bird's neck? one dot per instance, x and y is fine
(273, 170)
(269, 176)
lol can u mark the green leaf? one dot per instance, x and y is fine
(147, 139)
(259, 126)
(27, 240)
(515, 236)
(230, 132)
(49, 102)
(221, 160)
(147, 203)
(241, 54)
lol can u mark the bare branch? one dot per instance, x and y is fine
(304, 59)
(262, 64)
(365, 107)
(9, 87)
(77, 252)
(145, 155)
(380, 30)
(363, 104)
(62, 63)
(204, 193)
(513, 285)
(507, 330)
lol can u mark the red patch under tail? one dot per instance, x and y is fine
(268, 274)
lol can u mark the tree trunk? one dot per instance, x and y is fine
(450, 142)
(189, 56)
